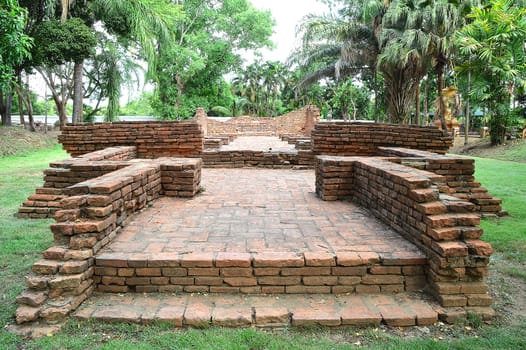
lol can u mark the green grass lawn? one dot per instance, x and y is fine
(21, 242)
(506, 180)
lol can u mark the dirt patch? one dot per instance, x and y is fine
(16, 140)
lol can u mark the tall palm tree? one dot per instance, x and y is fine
(336, 45)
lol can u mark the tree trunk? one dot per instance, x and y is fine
(26, 100)
(77, 92)
(441, 107)
(468, 112)
(20, 102)
(5, 108)
(417, 105)
(61, 110)
(375, 83)
(426, 108)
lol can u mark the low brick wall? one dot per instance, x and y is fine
(408, 200)
(298, 122)
(259, 159)
(364, 139)
(273, 273)
(90, 216)
(151, 139)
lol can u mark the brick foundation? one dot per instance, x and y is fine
(274, 273)
(90, 216)
(409, 201)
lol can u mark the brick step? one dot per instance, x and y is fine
(37, 197)
(452, 219)
(27, 212)
(277, 273)
(49, 190)
(198, 310)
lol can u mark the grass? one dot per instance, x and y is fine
(506, 180)
(21, 242)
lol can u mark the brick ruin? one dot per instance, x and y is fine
(399, 173)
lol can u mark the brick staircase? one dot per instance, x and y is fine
(42, 204)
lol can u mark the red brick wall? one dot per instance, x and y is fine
(152, 139)
(363, 139)
(298, 122)
(408, 200)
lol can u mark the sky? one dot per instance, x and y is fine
(287, 14)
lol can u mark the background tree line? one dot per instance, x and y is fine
(389, 60)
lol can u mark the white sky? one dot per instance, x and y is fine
(287, 14)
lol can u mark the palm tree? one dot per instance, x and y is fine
(336, 45)
(494, 44)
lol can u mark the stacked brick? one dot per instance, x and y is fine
(458, 173)
(90, 217)
(46, 201)
(248, 158)
(180, 178)
(363, 139)
(446, 230)
(152, 139)
(274, 273)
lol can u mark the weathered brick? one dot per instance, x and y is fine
(32, 298)
(26, 313)
(319, 259)
(278, 260)
(46, 267)
(72, 267)
(382, 279)
(385, 270)
(241, 281)
(478, 247)
(227, 259)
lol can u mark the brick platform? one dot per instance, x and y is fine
(235, 237)
(408, 200)
(195, 310)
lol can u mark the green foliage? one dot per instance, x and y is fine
(207, 37)
(58, 43)
(350, 101)
(14, 44)
(142, 106)
(493, 48)
(260, 84)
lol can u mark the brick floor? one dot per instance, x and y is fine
(259, 211)
(197, 310)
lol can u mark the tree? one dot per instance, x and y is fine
(106, 73)
(14, 48)
(208, 37)
(337, 45)
(350, 101)
(494, 43)
(62, 45)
